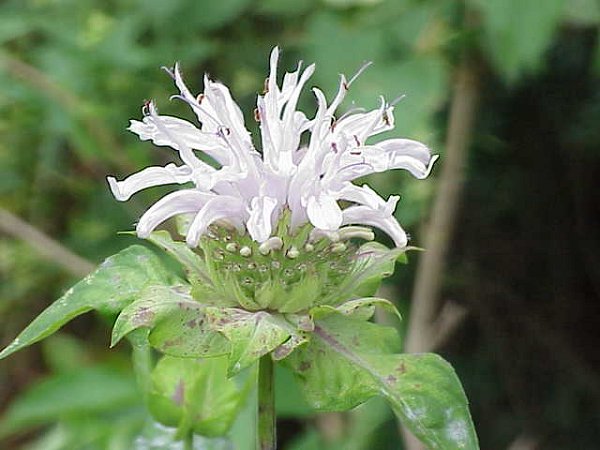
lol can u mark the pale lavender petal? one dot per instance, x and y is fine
(203, 112)
(259, 223)
(363, 215)
(185, 152)
(221, 207)
(179, 202)
(362, 195)
(149, 177)
(324, 212)
(186, 133)
(364, 125)
(226, 109)
(393, 154)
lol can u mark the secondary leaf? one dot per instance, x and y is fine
(330, 380)
(350, 360)
(193, 394)
(177, 323)
(112, 286)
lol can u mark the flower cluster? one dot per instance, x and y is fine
(251, 190)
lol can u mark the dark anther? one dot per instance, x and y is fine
(256, 115)
(146, 107)
(386, 118)
(199, 98)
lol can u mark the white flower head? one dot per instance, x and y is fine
(251, 190)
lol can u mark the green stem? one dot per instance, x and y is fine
(188, 442)
(266, 405)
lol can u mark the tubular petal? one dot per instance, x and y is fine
(148, 177)
(178, 202)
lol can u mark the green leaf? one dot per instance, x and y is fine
(349, 360)
(517, 32)
(90, 390)
(289, 400)
(192, 263)
(196, 395)
(211, 15)
(178, 324)
(116, 282)
(65, 353)
(251, 335)
(330, 381)
(427, 396)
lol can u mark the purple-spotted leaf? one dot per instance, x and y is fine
(111, 287)
(177, 323)
(332, 382)
(349, 360)
(250, 334)
(195, 395)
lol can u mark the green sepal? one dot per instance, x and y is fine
(192, 263)
(301, 297)
(177, 323)
(349, 360)
(360, 308)
(110, 288)
(196, 395)
(374, 263)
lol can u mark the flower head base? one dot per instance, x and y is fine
(286, 273)
(250, 191)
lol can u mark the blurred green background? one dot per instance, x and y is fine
(507, 91)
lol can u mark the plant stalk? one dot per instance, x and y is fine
(188, 442)
(266, 436)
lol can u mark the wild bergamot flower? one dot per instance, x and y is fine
(251, 190)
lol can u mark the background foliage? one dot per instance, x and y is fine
(523, 260)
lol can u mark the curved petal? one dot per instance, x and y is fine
(363, 195)
(179, 202)
(217, 208)
(408, 154)
(324, 212)
(393, 154)
(366, 124)
(226, 109)
(186, 133)
(376, 218)
(185, 152)
(260, 224)
(149, 177)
